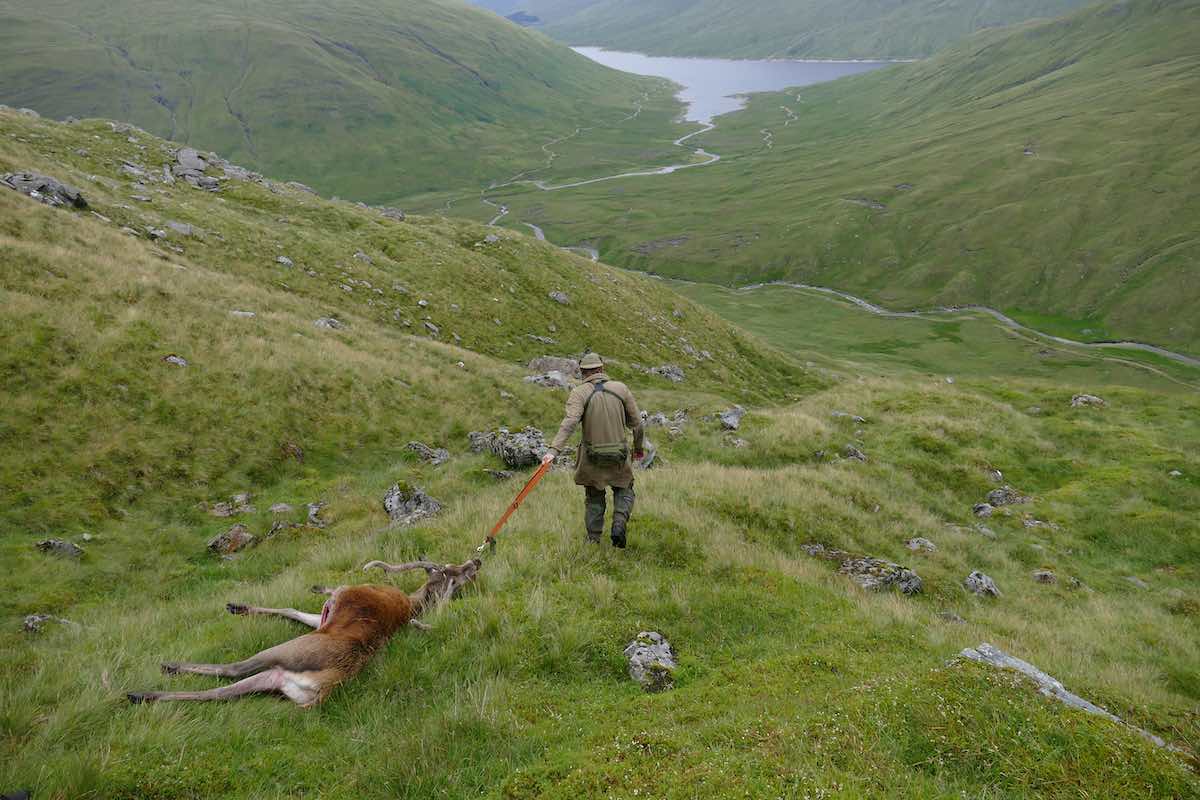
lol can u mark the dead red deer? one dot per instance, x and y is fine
(355, 622)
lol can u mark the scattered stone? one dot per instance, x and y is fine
(431, 456)
(561, 298)
(1081, 400)
(658, 420)
(1136, 581)
(359, 255)
(60, 547)
(1006, 496)
(499, 474)
(282, 508)
(141, 198)
(314, 519)
(231, 541)
(550, 380)
(651, 661)
(1045, 576)
(855, 418)
(391, 213)
(671, 372)
(517, 450)
(33, 623)
(329, 323)
(1050, 687)
(736, 442)
(297, 185)
(853, 453)
(1030, 522)
(243, 314)
(567, 366)
(995, 475)
(29, 112)
(546, 340)
(434, 330)
(869, 573)
(155, 234)
(982, 509)
(238, 504)
(951, 617)
(178, 361)
(491, 238)
(182, 228)
(407, 505)
(920, 543)
(285, 261)
(1175, 474)
(188, 159)
(44, 189)
(981, 585)
(731, 420)
(984, 530)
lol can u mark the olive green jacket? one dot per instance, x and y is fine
(610, 413)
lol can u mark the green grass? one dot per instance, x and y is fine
(366, 99)
(782, 28)
(1094, 230)
(837, 334)
(792, 682)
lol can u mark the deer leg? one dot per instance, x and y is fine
(311, 620)
(279, 655)
(270, 681)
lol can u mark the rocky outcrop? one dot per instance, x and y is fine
(314, 519)
(432, 456)
(60, 547)
(981, 584)
(920, 544)
(550, 380)
(855, 418)
(1006, 496)
(33, 623)
(562, 298)
(731, 420)
(44, 189)
(238, 504)
(1050, 687)
(870, 573)
(854, 454)
(231, 541)
(567, 366)
(522, 449)
(329, 323)
(651, 661)
(1084, 400)
(671, 372)
(407, 505)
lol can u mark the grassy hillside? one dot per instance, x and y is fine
(367, 99)
(792, 682)
(1047, 170)
(781, 28)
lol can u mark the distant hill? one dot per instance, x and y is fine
(363, 98)
(1047, 170)
(779, 28)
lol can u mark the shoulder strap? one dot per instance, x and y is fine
(598, 388)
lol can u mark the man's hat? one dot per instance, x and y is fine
(590, 361)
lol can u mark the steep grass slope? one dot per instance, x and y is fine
(367, 99)
(781, 28)
(1047, 170)
(792, 681)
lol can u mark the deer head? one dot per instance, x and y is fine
(442, 581)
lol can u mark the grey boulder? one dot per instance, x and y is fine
(407, 505)
(522, 449)
(567, 366)
(1083, 400)
(550, 380)
(231, 541)
(651, 661)
(981, 584)
(60, 547)
(430, 455)
(731, 420)
(44, 189)
(1006, 496)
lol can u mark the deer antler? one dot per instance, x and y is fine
(428, 566)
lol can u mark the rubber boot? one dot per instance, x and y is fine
(594, 506)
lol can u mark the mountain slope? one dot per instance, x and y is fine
(782, 28)
(365, 98)
(792, 679)
(1046, 170)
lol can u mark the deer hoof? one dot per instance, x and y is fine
(137, 698)
(170, 668)
(237, 608)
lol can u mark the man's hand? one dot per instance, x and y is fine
(638, 455)
(549, 457)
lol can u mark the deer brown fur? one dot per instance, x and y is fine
(354, 623)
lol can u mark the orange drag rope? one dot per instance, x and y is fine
(516, 503)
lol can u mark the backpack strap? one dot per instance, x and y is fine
(597, 388)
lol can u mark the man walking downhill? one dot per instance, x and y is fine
(606, 408)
